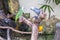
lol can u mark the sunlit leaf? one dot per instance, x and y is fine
(45, 8)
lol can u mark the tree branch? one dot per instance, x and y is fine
(21, 32)
(23, 19)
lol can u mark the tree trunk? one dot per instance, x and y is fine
(34, 35)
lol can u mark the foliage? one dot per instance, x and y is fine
(44, 7)
(13, 6)
(54, 1)
(26, 15)
(46, 37)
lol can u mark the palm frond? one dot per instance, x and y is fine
(49, 12)
(42, 7)
(54, 1)
(45, 8)
(51, 8)
(48, 1)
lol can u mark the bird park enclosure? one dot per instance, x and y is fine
(46, 32)
(17, 25)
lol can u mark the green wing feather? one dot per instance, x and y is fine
(19, 13)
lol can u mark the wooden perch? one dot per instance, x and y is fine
(7, 27)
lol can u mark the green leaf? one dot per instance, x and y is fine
(48, 1)
(56, 2)
(42, 7)
(53, 0)
(49, 12)
(51, 8)
(19, 13)
(45, 8)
